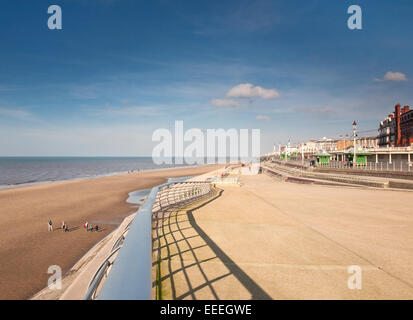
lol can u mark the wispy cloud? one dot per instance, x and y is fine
(130, 110)
(263, 117)
(78, 140)
(392, 76)
(248, 90)
(224, 103)
(15, 113)
(253, 16)
(91, 91)
(242, 16)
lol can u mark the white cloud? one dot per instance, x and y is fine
(130, 111)
(224, 103)
(247, 90)
(392, 76)
(395, 76)
(263, 117)
(14, 113)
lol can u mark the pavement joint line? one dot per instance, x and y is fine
(335, 242)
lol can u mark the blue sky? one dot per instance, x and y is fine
(120, 69)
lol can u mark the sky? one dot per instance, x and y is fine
(120, 69)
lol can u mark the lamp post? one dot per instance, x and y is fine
(288, 153)
(354, 143)
(302, 154)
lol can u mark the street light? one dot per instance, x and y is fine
(354, 143)
(302, 153)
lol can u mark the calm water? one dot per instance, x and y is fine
(27, 170)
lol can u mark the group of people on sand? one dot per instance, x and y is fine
(65, 227)
(88, 227)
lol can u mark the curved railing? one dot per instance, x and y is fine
(131, 277)
(100, 274)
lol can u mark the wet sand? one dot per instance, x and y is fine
(27, 249)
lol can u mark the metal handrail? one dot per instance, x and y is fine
(98, 276)
(120, 240)
(131, 274)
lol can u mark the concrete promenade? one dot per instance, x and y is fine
(273, 240)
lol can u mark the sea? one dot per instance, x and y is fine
(18, 171)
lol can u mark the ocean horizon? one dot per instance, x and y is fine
(22, 170)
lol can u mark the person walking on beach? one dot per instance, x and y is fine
(85, 226)
(64, 227)
(50, 225)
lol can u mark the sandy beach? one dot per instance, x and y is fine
(27, 249)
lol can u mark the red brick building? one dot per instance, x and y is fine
(406, 127)
(397, 129)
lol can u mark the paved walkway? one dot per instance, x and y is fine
(274, 240)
